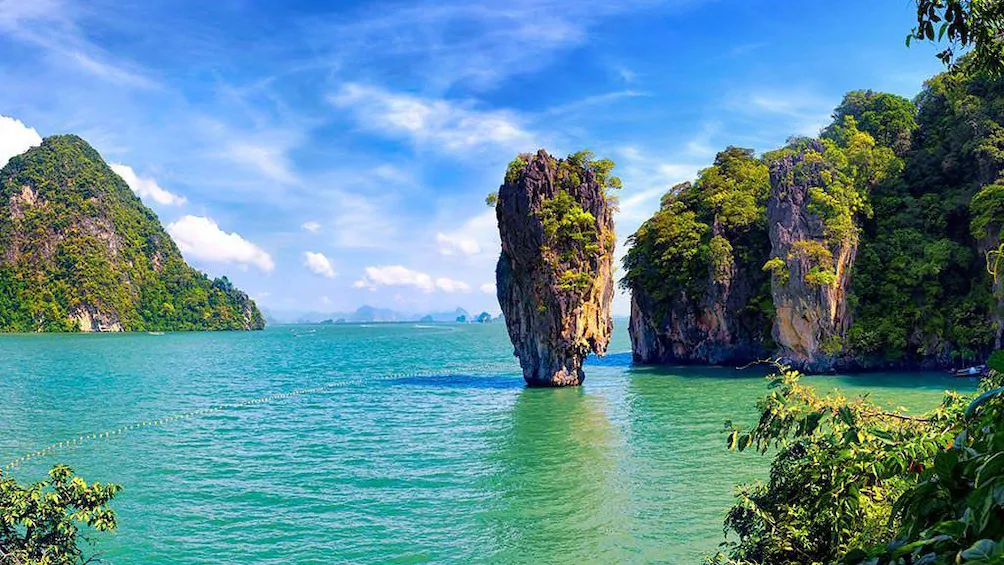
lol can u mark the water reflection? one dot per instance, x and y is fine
(559, 495)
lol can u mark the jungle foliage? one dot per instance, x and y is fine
(40, 523)
(916, 185)
(920, 282)
(74, 237)
(704, 230)
(975, 26)
(852, 482)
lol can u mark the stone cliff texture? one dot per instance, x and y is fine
(554, 275)
(811, 268)
(713, 327)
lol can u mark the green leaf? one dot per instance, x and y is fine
(983, 551)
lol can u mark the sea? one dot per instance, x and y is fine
(389, 443)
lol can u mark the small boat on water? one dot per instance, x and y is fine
(155, 333)
(974, 371)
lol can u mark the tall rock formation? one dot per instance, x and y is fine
(554, 275)
(812, 257)
(80, 252)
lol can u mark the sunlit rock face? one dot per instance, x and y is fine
(811, 282)
(554, 275)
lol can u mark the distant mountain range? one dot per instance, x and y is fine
(372, 314)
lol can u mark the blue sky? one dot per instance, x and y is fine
(326, 155)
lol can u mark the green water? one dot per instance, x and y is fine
(464, 465)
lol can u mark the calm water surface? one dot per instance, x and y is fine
(460, 464)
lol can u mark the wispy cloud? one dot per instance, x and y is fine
(437, 123)
(804, 111)
(498, 38)
(269, 160)
(595, 100)
(53, 25)
(478, 235)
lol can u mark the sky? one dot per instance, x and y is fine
(327, 155)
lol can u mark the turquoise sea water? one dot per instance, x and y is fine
(458, 463)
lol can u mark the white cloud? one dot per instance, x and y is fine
(478, 234)
(395, 275)
(488, 288)
(312, 227)
(15, 138)
(450, 285)
(146, 187)
(443, 124)
(319, 264)
(199, 237)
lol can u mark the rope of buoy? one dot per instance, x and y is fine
(51, 448)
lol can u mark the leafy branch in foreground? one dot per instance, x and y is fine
(852, 482)
(965, 24)
(39, 522)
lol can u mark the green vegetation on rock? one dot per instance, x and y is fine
(915, 189)
(920, 280)
(573, 244)
(78, 248)
(704, 228)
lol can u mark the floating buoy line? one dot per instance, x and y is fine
(86, 438)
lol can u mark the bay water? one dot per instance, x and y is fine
(421, 446)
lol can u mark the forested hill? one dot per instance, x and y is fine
(80, 251)
(864, 248)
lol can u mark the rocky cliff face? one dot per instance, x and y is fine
(716, 327)
(554, 275)
(80, 252)
(811, 267)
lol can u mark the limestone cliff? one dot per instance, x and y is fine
(811, 261)
(713, 327)
(554, 275)
(874, 238)
(80, 252)
(698, 290)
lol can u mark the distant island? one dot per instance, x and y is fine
(372, 314)
(80, 252)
